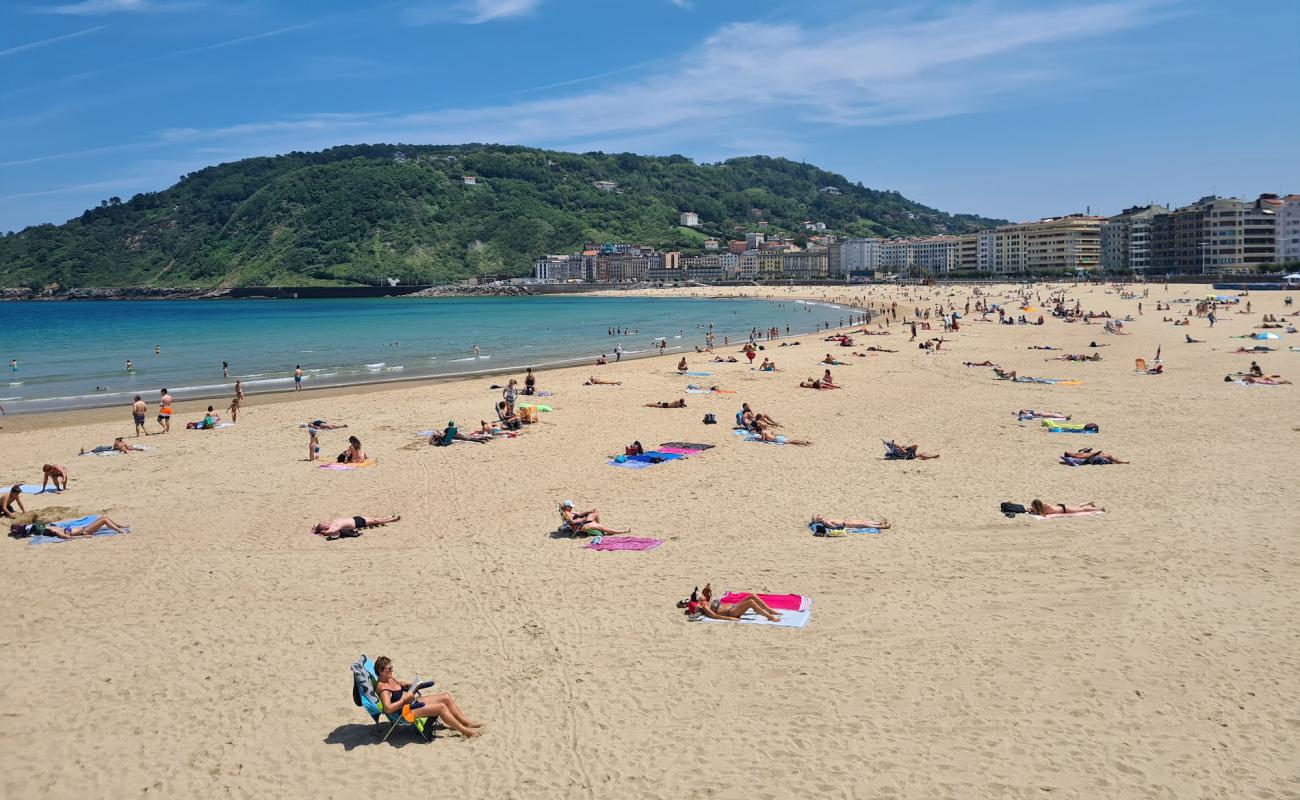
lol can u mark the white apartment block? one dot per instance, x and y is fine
(1126, 239)
(560, 269)
(859, 255)
(689, 219)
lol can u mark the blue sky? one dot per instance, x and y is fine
(1009, 108)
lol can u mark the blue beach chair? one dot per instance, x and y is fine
(365, 695)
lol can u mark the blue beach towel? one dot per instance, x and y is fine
(1067, 430)
(812, 527)
(630, 464)
(699, 374)
(73, 523)
(31, 488)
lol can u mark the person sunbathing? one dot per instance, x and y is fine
(53, 473)
(69, 532)
(703, 604)
(681, 365)
(667, 404)
(1098, 457)
(1029, 413)
(984, 363)
(594, 381)
(350, 526)
(1190, 340)
(120, 445)
(1263, 380)
(325, 425)
(828, 382)
(1004, 375)
(451, 433)
(832, 361)
(751, 420)
(396, 697)
(585, 521)
(874, 349)
(827, 524)
(10, 500)
(354, 454)
(765, 434)
(908, 452)
(1041, 509)
(727, 360)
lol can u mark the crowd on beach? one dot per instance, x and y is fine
(517, 408)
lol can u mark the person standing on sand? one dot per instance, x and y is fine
(313, 445)
(138, 410)
(297, 378)
(234, 409)
(165, 411)
(618, 352)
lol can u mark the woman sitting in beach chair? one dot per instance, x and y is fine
(396, 697)
(508, 417)
(579, 522)
(895, 452)
(701, 603)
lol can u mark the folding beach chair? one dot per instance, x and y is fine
(895, 453)
(365, 695)
(1140, 365)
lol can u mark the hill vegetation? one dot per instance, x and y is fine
(361, 214)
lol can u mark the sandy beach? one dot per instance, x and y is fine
(1150, 652)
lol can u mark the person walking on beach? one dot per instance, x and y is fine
(234, 409)
(165, 411)
(239, 390)
(618, 352)
(313, 444)
(297, 378)
(225, 369)
(138, 410)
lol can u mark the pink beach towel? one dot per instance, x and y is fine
(623, 543)
(777, 602)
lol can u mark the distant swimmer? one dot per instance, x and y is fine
(13, 364)
(475, 349)
(129, 368)
(297, 378)
(157, 349)
(225, 370)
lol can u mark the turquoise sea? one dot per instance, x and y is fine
(73, 354)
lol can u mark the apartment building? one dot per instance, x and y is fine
(1052, 244)
(1126, 239)
(1216, 234)
(1288, 229)
(560, 269)
(857, 257)
(768, 265)
(805, 264)
(934, 255)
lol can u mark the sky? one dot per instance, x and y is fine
(1016, 109)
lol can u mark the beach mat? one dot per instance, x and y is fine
(686, 446)
(777, 602)
(608, 543)
(74, 523)
(1069, 430)
(681, 451)
(337, 467)
(835, 533)
(630, 464)
(31, 488)
(698, 374)
(790, 618)
(1096, 513)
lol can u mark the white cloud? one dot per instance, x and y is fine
(89, 7)
(33, 45)
(471, 12)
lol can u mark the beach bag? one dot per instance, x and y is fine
(710, 419)
(1092, 427)
(21, 531)
(1012, 509)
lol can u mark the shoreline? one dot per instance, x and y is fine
(227, 389)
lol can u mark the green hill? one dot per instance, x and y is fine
(359, 214)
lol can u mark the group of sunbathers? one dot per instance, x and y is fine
(824, 382)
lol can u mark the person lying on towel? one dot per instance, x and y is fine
(827, 526)
(905, 452)
(350, 526)
(701, 603)
(1087, 456)
(1041, 509)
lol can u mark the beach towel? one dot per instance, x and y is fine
(689, 390)
(698, 374)
(336, 466)
(685, 446)
(31, 488)
(836, 532)
(1069, 430)
(790, 618)
(1096, 513)
(74, 523)
(622, 543)
(655, 457)
(107, 450)
(630, 464)
(542, 408)
(681, 451)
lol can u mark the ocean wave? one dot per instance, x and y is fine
(376, 365)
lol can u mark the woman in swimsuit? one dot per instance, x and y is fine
(681, 365)
(530, 382)
(594, 381)
(1098, 456)
(354, 454)
(398, 697)
(850, 523)
(84, 530)
(350, 526)
(1042, 509)
(586, 521)
(665, 404)
(704, 604)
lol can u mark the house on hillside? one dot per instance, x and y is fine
(605, 186)
(469, 180)
(831, 190)
(689, 219)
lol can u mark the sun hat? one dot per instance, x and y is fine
(567, 504)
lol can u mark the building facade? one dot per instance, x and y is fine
(1216, 234)
(858, 257)
(1288, 229)
(1126, 239)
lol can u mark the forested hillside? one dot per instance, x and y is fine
(364, 213)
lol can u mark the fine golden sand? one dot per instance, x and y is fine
(1148, 652)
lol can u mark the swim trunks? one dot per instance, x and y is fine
(139, 419)
(360, 522)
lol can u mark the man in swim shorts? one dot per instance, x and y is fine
(350, 526)
(165, 411)
(138, 409)
(297, 378)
